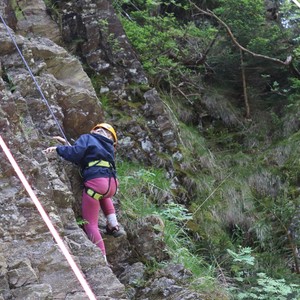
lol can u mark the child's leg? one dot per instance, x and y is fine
(108, 187)
(90, 213)
(108, 209)
(112, 226)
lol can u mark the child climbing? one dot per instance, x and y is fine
(95, 154)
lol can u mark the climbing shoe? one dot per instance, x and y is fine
(116, 231)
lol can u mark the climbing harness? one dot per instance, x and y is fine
(94, 194)
(35, 81)
(103, 164)
(99, 163)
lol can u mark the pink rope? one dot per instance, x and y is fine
(48, 222)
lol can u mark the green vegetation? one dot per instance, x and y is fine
(174, 49)
(52, 7)
(251, 285)
(235, 214)
(255, 277)
(17, 10)
(141, 189)
(81, 221)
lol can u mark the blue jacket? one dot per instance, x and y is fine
(90, 147)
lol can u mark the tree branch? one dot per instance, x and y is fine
(245, 86)
(211, 14)
(296, 2)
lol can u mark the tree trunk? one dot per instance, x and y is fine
(247, 107)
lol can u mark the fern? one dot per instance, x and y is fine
(265, 287)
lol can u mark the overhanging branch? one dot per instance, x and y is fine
(211, 14)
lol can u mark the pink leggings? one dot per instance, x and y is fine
(91, 207)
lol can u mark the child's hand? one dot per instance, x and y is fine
(60, 139)
(49, 150)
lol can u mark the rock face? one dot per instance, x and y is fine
(32, 267)
(102, 44)
(45, 92)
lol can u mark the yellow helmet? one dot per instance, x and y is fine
(109, 128)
